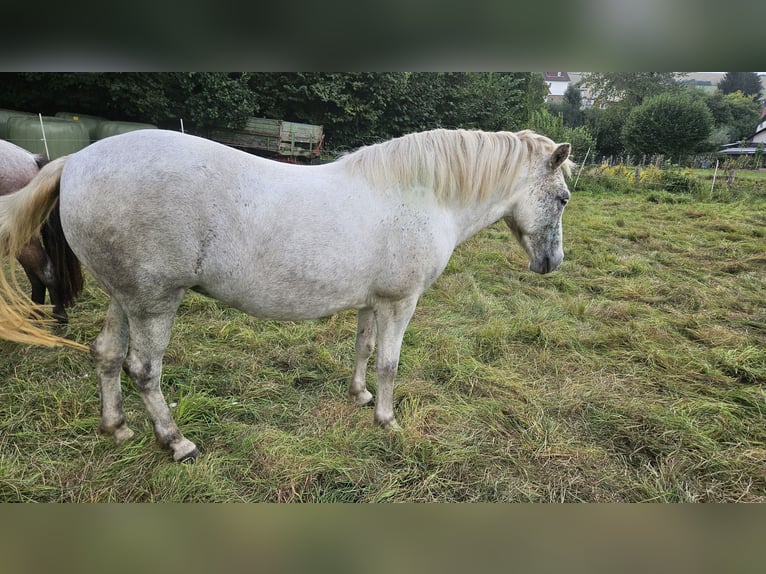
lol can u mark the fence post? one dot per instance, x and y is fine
(730, 177)
(45, 140)
(715, 173)
(581, 168)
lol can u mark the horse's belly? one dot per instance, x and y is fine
(291, 301)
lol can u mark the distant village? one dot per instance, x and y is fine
(558, 82)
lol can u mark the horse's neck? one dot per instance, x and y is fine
(481, 213)
(472, 218)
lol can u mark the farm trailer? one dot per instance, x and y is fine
(285, 141)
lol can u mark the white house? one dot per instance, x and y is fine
(760, 130)
(557, 83)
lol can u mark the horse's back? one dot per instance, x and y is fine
(17, 167)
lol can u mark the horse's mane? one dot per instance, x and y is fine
(459, 165)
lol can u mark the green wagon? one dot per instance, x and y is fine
(278, 139)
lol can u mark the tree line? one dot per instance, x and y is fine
(354, 108)
(645, 112)
(662, 113)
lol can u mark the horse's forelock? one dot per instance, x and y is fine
(460, 165)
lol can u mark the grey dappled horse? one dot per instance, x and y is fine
(154, 213)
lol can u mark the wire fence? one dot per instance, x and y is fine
(695, 161)
(712, 175)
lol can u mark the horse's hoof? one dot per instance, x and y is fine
(190, 458)
(120, 434)
(186, 451)
(362, 398)
(123, 434)
(393, 426)
(390, 425)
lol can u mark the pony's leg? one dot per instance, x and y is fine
(49, 279)
(39, 269)
(149, 336)
(392, 318)
(32, 259)
(109, 350)
(38, 288)
(365, 343)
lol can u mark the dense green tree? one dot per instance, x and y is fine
(358, 108)
(350, 106)
(211, 98)
(492, 101)
(746, 82)
(670, 124)
(735, 115)
(354, 108)
(553, 126)
(201, 98)
(570, 108)
(606, 127)
(630, 88)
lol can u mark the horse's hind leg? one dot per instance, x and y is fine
(109, 350)
(149, 336)
(365, 344)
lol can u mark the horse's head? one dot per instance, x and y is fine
(535, 216)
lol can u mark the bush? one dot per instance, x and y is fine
(668, 124)
(623, 179)
(552, 126)
(679, 181)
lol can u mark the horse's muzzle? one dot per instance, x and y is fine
(546, 264)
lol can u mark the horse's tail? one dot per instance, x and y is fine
(22, 213)
(66, 266)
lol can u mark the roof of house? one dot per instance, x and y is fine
(556, 76)
(751, 150)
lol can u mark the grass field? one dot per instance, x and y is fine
(634, 373)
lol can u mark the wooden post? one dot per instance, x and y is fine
(730, 177)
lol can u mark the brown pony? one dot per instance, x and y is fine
(49, 264)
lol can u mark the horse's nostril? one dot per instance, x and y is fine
(546, 264)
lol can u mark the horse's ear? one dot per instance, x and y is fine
(560, 155)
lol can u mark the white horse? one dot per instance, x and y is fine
(154, 213)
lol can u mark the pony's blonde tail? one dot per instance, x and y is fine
(21, 215)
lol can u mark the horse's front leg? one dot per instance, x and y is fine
(392, 319)
(365, 344)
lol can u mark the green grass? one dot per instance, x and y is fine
(634, 373)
